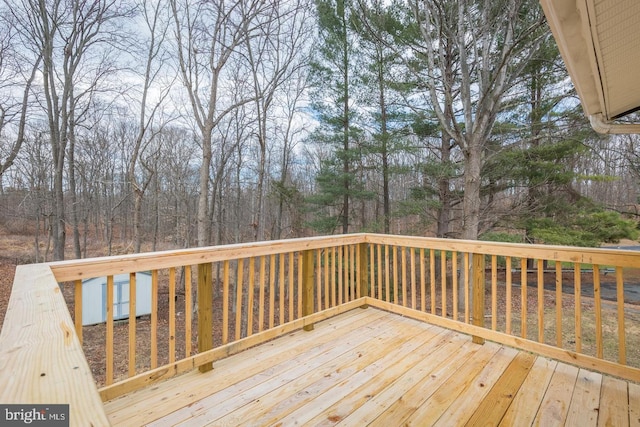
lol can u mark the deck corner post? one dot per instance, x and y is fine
(205, 311)
(478, 279)
(363, 271)
(307, 286)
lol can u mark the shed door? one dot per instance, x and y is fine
(120, 300)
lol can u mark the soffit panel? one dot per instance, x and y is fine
(616, 32)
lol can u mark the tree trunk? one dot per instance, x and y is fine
(204, 225)
(471, 199)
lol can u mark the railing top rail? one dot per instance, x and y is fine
(600, 256)
(41, 358)
(95, 267)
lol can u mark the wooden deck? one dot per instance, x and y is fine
(371, 367)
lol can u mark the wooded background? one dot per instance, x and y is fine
(180, 123)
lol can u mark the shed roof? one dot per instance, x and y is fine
(599, 41)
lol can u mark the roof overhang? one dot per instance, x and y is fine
(599, 41)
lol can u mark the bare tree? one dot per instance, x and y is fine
(207, 35)
(274, 55)
(491, 42)
(155, 59)
(13, 109)
(289, 131)
(74, 40)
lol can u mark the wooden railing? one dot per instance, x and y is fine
(207, 299)
(208, 303)
(546, 299)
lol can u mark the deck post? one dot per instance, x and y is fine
(477, 271)
(363, 271)
(307, 286)
(205, 311)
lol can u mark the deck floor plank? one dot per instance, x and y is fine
(413, 401)
(525, 405)
(243, 362)
(372, 367)
(468, 401)
(219, 403)
(634, 405)
(231, 411)
(362, 407)
(614, 403)
(493, 407)
(155, 402)
(584, 407)
(382, 371)
(312, 389)
(555, 404)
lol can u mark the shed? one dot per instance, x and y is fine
(94, 297)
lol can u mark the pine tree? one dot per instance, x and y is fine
(332, 80)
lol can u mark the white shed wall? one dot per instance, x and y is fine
(94, 298)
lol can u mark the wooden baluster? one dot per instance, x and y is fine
(340, 273)
(239, 298)
(327, 299)
(225, 302)
(358, 274)
(154, 319)
(387, 274)
(291, 283)
(598, 310)
(109, 338)
(272, 290)
(172, 314)
(77, 305)
(352, 276)
(559, 304)
(622, 345)
(432, 271)
(478, 293)
(281, 287)
(467, 278)
(263, 284)
(345, 273)
(395, 275)
(250, 295)
(540, 266)
(307, 286)
(352, 272)
(412, 261)
(363, 258)
(454, 283)
(577, 290)
(205, 311)
(508, 284)
(403, 278)
(318, 256)
(187, 311)
(132, 324)
(443, 282)
(300, 280)
(372, 270)
(523, 297)
(494, 292)
(334, 272)
(380, 270)
(423, 282)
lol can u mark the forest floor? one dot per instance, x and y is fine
(15, 250)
